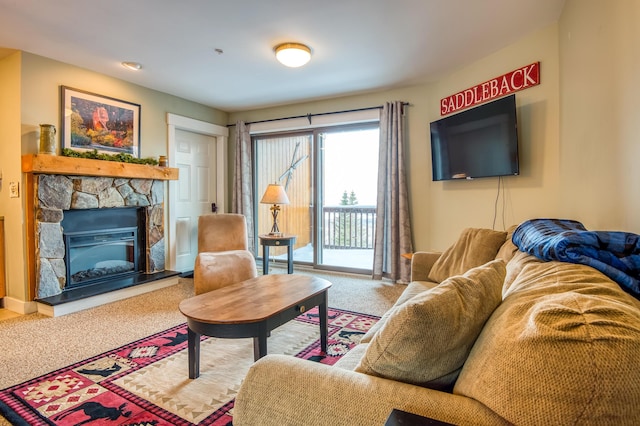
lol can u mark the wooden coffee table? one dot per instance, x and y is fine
(253, 308)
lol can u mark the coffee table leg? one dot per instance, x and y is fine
(193, 344)
(260, 346)
(290, 259)
(265, 260)
(322, 312)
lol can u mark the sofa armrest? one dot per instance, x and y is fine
(421, 263)
(281, 390)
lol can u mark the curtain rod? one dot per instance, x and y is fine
(308, 116)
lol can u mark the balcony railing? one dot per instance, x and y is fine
(348, 227)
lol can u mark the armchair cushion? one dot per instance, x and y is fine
(223, 258)
(216, 270)
(222, 232)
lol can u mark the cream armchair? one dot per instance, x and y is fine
(223, 256)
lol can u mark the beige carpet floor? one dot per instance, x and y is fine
(33, 345)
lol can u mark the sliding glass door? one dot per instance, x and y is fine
(348, 174)
(330, 176)
(286, 159)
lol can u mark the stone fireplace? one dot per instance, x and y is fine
(105, 203)
(83, 208)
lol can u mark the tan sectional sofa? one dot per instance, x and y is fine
(561, 347)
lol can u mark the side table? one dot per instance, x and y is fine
(283, 240)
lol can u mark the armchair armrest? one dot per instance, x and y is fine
(421, 264)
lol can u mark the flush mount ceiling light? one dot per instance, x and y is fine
(292, 54)
(134, 66)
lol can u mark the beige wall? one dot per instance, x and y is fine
(11, 208)
(33, 83)
(600, 114)
(41, 81)
(440, 210)
(578, 129)
(534, 193)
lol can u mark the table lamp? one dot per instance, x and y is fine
(275, 195)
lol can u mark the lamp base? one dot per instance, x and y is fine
(275, 231)
(275, 234)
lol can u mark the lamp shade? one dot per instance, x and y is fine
(275, 194)
(293, 54)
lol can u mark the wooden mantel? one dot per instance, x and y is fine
(60, 165)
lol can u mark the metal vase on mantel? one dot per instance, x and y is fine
(47, 139)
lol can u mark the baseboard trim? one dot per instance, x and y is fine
(102, 299)
(19, 306)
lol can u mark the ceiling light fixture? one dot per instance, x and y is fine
(292, 54)
(134, 66)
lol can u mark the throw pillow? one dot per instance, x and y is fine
(474, 247)
(426, 340)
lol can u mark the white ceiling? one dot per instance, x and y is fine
(357, 46)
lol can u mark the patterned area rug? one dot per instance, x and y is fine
(146, 382)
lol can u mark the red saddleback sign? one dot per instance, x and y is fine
(516, 80)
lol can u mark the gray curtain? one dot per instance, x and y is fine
(393, 224)
(242, 199)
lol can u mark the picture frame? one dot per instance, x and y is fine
(95, 122)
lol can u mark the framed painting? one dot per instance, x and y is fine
(95, 122)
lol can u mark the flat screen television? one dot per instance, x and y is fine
(480, 142)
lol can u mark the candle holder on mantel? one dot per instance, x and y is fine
(47, 139)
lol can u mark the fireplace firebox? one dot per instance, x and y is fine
(102, 245)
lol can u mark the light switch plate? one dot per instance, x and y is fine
(14, 190)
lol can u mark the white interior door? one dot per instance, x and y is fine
(200, 158)
(196, 191)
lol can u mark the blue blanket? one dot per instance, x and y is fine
(615, 254)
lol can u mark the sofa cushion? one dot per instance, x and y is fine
(515, 266)
(413, 288)
(350, 360)
(474, 247)
(426, 340)
(562, 348)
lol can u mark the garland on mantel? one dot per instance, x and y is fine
(121, 157)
